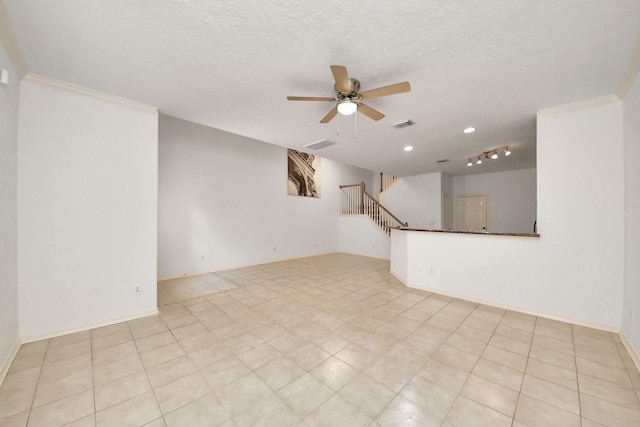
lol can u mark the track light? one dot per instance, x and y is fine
(490, 154)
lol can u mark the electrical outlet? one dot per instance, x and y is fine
(137, 290)
(201, 257)
(631, 314)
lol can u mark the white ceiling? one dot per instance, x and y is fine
(230, 65)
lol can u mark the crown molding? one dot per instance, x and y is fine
(587, 103)
(47, 81)
(630, 71)
(11, 44)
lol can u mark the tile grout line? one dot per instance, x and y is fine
(575, 363)
(93, 380)
(475, 364)
(33, 398)
(144, 368)
(524, 372)
(430, 357)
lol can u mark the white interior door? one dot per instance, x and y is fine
(446, 211)
(471, 213)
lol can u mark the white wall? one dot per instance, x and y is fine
(9, 97)
(446, 186)
(580, 208)
(512, 198)
(417, 200)
(359, 235)
(400, 257)
(574, 271)
(87, 185)
(374, 190)
(224, 197)
(631, 328)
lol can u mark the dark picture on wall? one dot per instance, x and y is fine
(304, 174)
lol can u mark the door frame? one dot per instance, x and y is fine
(447, 215)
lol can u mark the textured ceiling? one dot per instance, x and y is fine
(230, 65)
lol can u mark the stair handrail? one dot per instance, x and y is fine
(386, 181)
(361, 204)
(362, 191)
(375, 202)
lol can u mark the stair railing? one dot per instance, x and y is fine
(356, 201)
(387, 181)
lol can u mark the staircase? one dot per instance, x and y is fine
(356, 201)
(386, 181)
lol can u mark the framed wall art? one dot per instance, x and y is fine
(303, 174)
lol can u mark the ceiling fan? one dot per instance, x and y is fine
(348, 97)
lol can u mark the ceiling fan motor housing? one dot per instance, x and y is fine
(354, 88)
(348, 97)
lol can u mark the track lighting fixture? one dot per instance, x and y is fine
(491, 154)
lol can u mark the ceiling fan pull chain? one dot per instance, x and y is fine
(355, 126)
(348, 96)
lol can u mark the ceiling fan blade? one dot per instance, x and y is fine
(370, 112)
(309, 98)
(330, 115)
(386, 90)
(342, 78)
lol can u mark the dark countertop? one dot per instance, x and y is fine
(468, 232)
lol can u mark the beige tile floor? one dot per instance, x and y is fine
(331, 340)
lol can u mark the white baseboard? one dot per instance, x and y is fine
(233, 267)
(602, 327)
(4, 368)
(630, 350)
(366, 255)
(61, 332)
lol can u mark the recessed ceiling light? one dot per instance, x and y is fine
(408, 148)
(469, 130)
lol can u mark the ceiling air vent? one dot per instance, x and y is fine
(402, 124)
(319, 144)
(442, 161)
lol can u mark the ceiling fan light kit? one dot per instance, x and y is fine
(348, 97)
(347, 107)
